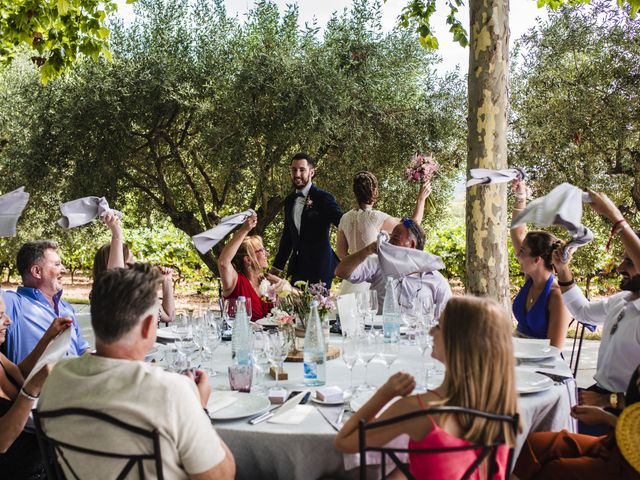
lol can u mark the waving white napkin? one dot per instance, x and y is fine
(82, 210)
(484, 176)
(54, 352)
(11, 206)
(398, 262)
(205, 241)
(561, 206)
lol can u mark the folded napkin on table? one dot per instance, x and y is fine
(561, 206)
(11, 206)
(347, 312)
(205, 241)
(293, 416)
(220, 400)
(485, 176)
(82, 210)
(398, 262)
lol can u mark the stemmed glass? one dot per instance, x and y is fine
(349, 353)
(260, 358)
(211, 337)
(372, 305)
(367, 350)
(389, 352)
(277, 350)
(425, 344)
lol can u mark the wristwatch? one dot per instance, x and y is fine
(613, 400)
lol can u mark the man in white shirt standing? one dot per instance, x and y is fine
(619, 353)
(117, 381)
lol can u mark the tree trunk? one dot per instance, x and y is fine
(487, 270)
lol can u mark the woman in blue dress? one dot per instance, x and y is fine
(538, 306)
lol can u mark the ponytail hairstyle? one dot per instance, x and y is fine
(543, 244)
(247, 248)
(101, 259)
(365, 188)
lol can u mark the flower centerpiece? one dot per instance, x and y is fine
(421, 169)
(306, 293)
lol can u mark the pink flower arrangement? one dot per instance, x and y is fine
(421, 169)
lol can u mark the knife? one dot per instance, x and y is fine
(324, 415)
(285, 407)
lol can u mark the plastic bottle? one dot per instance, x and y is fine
(315, 357)
(241, 337)
(390, 314)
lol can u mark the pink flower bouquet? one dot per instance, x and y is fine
(421, 169)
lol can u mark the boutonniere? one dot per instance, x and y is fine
(308, 202)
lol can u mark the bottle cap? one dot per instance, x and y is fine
(314, 303)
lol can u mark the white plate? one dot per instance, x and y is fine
(154, 355)
(266, 322)
(347, 397)
(166, 334)
(533, 350)
(246, 405)
(531, 382)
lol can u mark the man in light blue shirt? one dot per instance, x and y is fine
(35, 304)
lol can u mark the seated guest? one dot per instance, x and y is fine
(619, 352)
(35, 304)
(116, 380)
(473, 340)
(569, 456)
(538, 306)
(117, 255)
(20, 454)
(363, 266)
(241, 264)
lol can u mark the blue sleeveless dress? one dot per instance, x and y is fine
(535, 322)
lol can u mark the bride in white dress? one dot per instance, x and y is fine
(360, 227)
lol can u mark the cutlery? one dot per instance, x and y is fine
(555, 378)
(324, 415)
(285, 407)
(344, 408)
(258, 418)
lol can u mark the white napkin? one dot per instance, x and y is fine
(57, 349)
(218, 401)
(347, 312)
(561, 206)
(352, 460)
(205, 241)
(399, 262)
(82, 210)
(485, 176)
(294, 416)
(11, 206)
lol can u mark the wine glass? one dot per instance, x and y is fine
(211, 338)
(389, 353)
(425, 343)
(349, 353)
(367, 350)
(372, 305)
(277, 350)
(260, 358)
(362, 308)
(229, 308)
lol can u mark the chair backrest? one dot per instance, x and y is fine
(53, 450)
(487, 452)
(577, 341)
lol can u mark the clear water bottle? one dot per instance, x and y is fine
(390, 314)
(241, 337)
(315, 358)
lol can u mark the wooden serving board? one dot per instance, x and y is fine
(334, 352)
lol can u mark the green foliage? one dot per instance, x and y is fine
(448, 242)
(197, 116)
(55, 32)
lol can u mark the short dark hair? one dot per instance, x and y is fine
(31, 252)
(119, 298)
(305, 156)
(415, 232)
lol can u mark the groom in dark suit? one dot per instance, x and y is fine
(308, 215)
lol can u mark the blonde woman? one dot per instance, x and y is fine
(473, 340)
(241, 265)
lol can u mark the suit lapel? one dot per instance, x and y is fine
(303, 217)
(289, 213)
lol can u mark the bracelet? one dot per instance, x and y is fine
(568, 283)
(27, 395)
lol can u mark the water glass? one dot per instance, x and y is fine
(367, 351)
(349, 353)
(259, 358)
(389, 353)
(277, 350)
(240, 377)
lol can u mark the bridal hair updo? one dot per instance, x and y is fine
(365, 187)
(543, 244)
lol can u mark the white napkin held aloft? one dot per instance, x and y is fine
(399, 262)
(561, 206)
(11, 206)
(205, 241)
(485, 176)
(54, 352)
(83, 210)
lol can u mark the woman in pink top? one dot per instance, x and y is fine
(473, 340)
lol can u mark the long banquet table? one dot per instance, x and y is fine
(305, 451)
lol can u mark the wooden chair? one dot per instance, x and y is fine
(53, 450)
(487, 452)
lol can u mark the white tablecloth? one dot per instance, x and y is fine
(305, 451)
